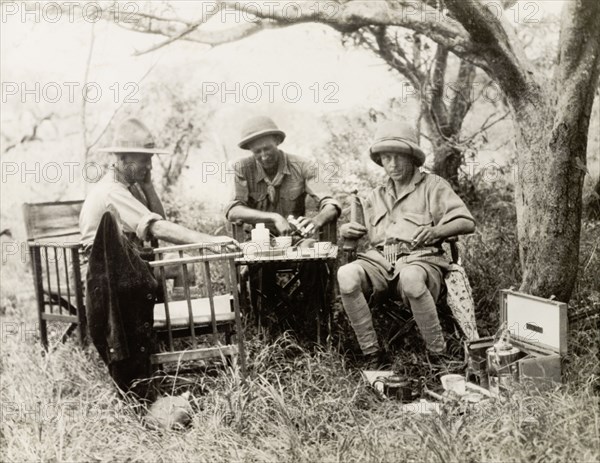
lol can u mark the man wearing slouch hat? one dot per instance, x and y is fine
(120, 213)
(406, 221)
(127, 190)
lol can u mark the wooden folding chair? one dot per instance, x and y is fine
(401, 314)
(206, 321)
(54, 244)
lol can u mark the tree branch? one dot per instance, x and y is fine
(86, 75)
(495, 42)
(116, 111)
(172, 28)
(461, 103)
(188, 30)
(438, 107)
(397, 60)
(578, 67)
(31, 136)
(486, 125)
(349, 16)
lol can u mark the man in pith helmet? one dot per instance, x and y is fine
(406, 221)
(270, 184)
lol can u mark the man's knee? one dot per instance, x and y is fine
(350, 278)
(413, 281)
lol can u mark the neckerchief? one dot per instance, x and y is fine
(273, 185)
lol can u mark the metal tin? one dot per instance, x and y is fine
(476, 357)
(502, 367)
(396, 387)
(356, 215)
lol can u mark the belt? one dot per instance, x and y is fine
(392, 252)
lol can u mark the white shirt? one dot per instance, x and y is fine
(110, 194)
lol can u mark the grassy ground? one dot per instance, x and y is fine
(296, 406)
(299, 403)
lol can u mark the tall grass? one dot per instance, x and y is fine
(295, 405)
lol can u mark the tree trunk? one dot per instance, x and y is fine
(447, 161)
(549, 196)
(447, 157)
(445, 119)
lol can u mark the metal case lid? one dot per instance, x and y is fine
(535, 321)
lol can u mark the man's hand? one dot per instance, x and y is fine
(282, 225)
(232, 245)
(425, 235)
(310, 225)
(147, 181)
(353, 230)
(224, 239)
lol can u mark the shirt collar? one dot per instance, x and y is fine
(283, 167)
(417, 178)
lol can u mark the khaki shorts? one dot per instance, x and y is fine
(384, 277)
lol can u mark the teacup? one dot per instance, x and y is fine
(283, 242)
(454, 383)
(322, 248)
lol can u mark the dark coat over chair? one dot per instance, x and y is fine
(121, 290)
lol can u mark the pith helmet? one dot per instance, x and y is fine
(397, 137)
(259, 127)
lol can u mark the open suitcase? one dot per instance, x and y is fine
(538, 330)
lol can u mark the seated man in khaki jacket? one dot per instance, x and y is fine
(410, 215)
(127, 190)
(269, 186)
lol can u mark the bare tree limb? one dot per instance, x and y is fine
(191, 28)
(486, 126)
(397, 58)
(461, 103)
(169, 41)
(31, 136)
(349, 16)
(171, 28)
(439, 111)
(86, 75)
(578, 64)
(498, 45)
(115, 112)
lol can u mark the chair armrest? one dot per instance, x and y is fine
(453, 242)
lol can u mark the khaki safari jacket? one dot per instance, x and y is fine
(301, 177)
(429, 200)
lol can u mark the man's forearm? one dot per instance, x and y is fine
(328, 213)
(456, 227)
(154, 202)
(248, 215)
(177, 234)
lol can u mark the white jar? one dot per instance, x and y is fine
(260, 235)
